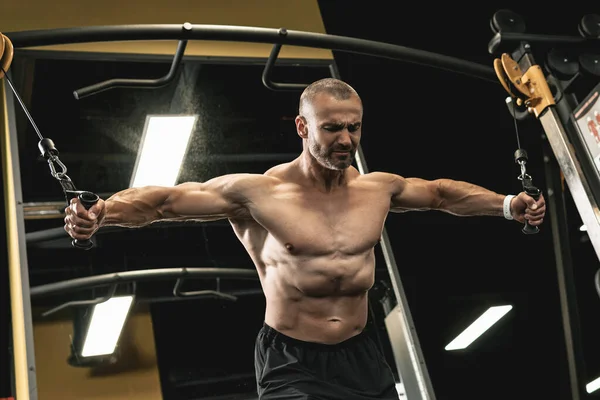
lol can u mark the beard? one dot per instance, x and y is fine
(325, 156)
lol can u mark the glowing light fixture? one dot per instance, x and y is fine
(593, 385)
(478, 327)
(106, 324)
(164, 143)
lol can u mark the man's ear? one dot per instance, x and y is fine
(301, 127)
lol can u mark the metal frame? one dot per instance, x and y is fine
(402, 333)
(21, 315)
(582, 194)
(281, 36)
(563, 142)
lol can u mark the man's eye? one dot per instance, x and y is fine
(333, 128)
(353, 127)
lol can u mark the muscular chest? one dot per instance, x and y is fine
(344, 223)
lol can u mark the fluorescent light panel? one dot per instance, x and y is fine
(593, 385)
(108, 319)
(164, 144)
(478, 327)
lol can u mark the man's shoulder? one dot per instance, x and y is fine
(278, 170)
(379, 176)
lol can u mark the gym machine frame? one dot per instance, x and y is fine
(541, 85)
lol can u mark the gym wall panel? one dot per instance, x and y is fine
(304, 15)
(134, 376)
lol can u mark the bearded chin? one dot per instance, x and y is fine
(325, 159)
(346, 163)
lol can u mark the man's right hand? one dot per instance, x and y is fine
(80, 223)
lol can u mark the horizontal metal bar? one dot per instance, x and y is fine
(141, 275)
(127, 159)
(505, 41)
(169, 299)
(59, 232)
(46, 37)
(46, 234)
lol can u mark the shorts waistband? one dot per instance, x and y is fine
(273, 334)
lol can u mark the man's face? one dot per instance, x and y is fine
(332, 129)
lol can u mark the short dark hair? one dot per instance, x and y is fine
(335, 87)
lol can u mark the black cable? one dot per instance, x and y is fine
(22, 104)
(50, 153)
(514, 113)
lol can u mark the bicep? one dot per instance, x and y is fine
(415, 194)
(220, 197)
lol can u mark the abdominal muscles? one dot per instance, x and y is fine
(319, 299)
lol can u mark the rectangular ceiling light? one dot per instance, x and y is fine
(108, 319)
(164, 143)
(478, 327)
(593, 385)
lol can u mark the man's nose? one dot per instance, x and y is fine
(344, 138)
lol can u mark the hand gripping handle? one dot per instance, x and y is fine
(534, 192)
(87, 199)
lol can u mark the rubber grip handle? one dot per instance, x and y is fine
(535, 193)
(87, 199)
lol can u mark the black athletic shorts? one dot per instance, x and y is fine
(288, 368)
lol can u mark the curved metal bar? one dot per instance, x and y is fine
(139, 83)
(109, 33)
(268, 71)
(177, 292)
(520, 114)
(110, 293)
(140, 275)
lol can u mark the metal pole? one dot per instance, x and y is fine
(564, 269)
(22, 329)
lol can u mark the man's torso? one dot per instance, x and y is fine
(314, 252)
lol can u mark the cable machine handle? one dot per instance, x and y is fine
(87, 199)
(534, 192)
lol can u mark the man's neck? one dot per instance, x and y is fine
(321, 177)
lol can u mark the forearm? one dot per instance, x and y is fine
(466, 199)
(135, 207)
